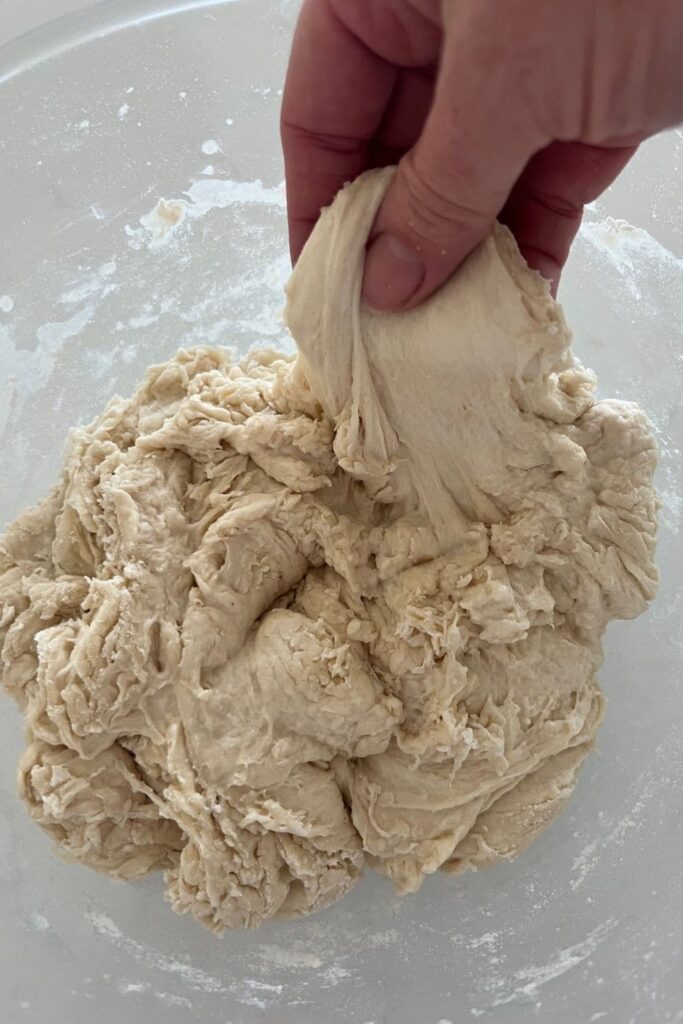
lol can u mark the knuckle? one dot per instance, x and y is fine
(434, 210)
(560, 206)
(311, 139)
(400, 31)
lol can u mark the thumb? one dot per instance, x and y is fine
(450, 187)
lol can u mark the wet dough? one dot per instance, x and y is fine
(283, 618)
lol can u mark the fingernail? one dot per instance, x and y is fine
(393, 272)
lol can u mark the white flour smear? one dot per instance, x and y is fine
(634, 253)
(165, 220)
(648, 791)
(247, 992)
(525, 985)
(286, 974)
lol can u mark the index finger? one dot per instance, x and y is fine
(335, 94)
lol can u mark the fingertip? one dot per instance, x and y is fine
(417, 242)
(394, 273)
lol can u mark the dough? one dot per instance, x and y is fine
(281, 618)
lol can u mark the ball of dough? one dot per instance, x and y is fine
(284, 617)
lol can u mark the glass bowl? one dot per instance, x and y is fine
(142, 209)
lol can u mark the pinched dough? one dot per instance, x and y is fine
(281, 618)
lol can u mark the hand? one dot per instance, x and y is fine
(521, 109)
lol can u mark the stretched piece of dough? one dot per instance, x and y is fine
(281, 618)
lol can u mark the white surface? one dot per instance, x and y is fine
(97, 279)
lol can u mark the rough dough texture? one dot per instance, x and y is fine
(281, 618)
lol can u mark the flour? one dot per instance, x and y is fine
(39, 922)
(50, 338)
(194, 977)
(163, 222)
(142, 987)
(489, 940)
(633, 253)
(525, 984)
(291, 959)
(247, 993)
(649, 788)
(96, 283)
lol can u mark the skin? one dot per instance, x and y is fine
(524, 110)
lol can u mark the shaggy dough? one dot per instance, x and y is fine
(281, 618)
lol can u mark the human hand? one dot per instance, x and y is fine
(522, 109)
